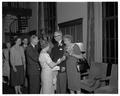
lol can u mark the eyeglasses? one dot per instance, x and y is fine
(57, 36)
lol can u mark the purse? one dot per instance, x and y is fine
(82, 65)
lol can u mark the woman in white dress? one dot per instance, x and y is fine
(47, 74)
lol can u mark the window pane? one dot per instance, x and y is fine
(107, 29)
(112, 60)
(116, 60)
(112, 48)
(104, 48)
(63, 30)
(116, 8)
(116, 48)
(111, 27)
(105, 60)
(116, 28)
(110, 32)
(67, 30)
(73, 32)
(109, 9)
(108, 48)
(79, 33)
(108, 60)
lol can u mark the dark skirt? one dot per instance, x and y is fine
(17, 78)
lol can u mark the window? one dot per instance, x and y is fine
(50, 16)
(110, 32)
(73, 28)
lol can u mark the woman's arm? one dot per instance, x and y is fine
(12, 59)
(53, 64)
(50, 62)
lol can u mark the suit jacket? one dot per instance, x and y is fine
(58, 52)
(33, 65)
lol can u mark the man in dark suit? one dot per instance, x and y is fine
(33, 66)
(56, 53)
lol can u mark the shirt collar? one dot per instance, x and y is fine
(33, 45)
(60, 42)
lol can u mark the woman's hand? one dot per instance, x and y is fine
(63, 58)
(62, 69)
(58, 61)
(14, 69)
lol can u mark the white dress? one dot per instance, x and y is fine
(47, 74)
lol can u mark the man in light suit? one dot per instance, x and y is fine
(56, 53)
(33, 66)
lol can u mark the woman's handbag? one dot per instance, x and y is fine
(82, 65)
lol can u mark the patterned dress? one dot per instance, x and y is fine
(47, 74)
(72, 74)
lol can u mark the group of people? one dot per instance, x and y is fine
(52, 70)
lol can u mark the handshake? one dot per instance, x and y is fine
(60, 60)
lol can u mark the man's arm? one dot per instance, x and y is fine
(30, 53)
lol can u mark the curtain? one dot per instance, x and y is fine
(90, 33)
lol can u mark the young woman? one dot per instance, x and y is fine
(17, 59)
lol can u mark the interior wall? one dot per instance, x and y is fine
(70, 11)
(67, 11)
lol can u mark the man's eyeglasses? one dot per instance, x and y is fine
(57, 36)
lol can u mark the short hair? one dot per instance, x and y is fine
(16, 38)
(44, 44)
(68, 37)
(60, 32)
(33, 37)
(25, 39)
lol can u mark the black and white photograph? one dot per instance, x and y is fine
(59, 47)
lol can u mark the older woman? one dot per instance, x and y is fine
(48, 65)
(17, 59)
(72, 54)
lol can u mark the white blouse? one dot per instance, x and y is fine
(45, 59)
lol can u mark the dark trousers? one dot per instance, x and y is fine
(34, 83)
(61, 83)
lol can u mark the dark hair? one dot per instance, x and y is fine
(33, 32)
(68, 37)
(33, 37)
(16, 38)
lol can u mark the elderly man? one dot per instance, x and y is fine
(56, 53)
